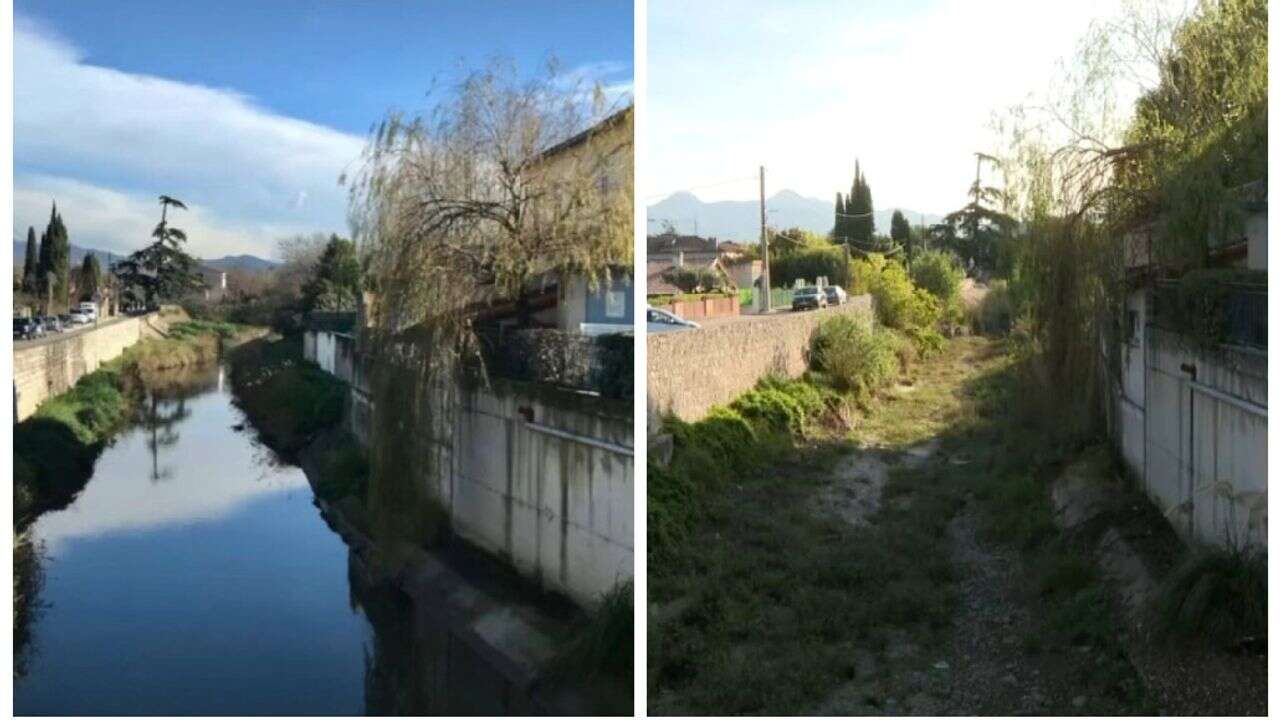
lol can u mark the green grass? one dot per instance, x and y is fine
(1219, 595)
(604, 644)
(763, 599)
(54, 449)
(288, 399)
(344, 471)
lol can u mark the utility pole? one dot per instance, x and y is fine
(764, 249)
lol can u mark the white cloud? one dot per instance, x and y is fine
(119, 222)
(805, 88)
(115, 140)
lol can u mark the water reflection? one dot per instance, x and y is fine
(216, 590)
(194, 575)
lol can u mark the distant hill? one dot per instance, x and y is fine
(241, 262)
(740, 219)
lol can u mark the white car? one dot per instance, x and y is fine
(89, 310)
(78, 317)
(666, 321)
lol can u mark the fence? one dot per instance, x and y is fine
(601, 364)
(1233, 313)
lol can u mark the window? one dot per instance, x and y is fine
(615, 304)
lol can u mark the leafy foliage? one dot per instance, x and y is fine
(809, 264)
(336, 283)
(854, 355)
(695, 279)
(939, 272)
(161, 270)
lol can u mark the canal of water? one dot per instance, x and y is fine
(194, 575)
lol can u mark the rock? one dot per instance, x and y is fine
(1079, 701)
(1010, 679)
(941, 665)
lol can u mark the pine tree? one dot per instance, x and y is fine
(29, 266)
(161, 270)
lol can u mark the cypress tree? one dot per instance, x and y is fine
(29, 265)
(861, 226)
(90, 277)
(54, 266)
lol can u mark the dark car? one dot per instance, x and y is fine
(808, 298)
(836, 295)
(26, 329)
(51, 323)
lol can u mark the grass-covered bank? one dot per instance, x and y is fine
(911, 559)
(54, 449)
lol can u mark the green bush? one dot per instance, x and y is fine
(994, 314)
(344, 471)
(809, 397)
(1216, 594)
(855, 356)
(774, 409)
(938, 272)
(899, 304)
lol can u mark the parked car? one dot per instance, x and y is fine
(52, 324)
(90, 310)
(25, 328)
(665, 321)
(836, 295)
(809, 297)
(65, 319)
(78, 317)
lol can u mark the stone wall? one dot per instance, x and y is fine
(52, 366)
(691, 370)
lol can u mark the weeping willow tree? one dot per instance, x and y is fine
(506, 186)
(1153, 124)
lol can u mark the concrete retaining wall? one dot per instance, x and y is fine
(541, 478)
(1198, 447)
(52, 366)
(692, 370)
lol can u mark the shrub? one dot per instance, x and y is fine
(1217, 594)
(854, 355)
(899, 304)
(938, 272)
(994, 314)
(774, 409)
(344, 471)
(808, 396)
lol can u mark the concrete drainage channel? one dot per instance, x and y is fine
(488, 648)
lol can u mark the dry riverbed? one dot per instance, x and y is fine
(913, 566)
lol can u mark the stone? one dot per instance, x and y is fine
(1079, 701)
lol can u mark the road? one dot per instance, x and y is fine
(54, 337)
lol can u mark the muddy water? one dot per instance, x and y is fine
(194, 575)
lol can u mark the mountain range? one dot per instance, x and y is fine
(229, 262)
(740, 219)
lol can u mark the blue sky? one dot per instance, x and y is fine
(250, 110)
(804, 88)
